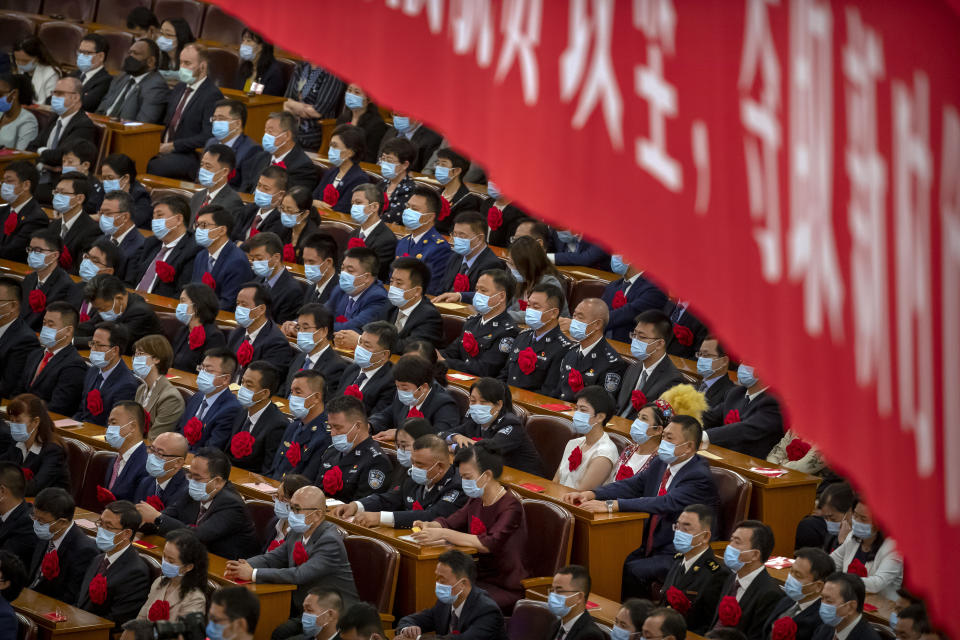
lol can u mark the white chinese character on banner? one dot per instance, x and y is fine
(866, 168)
(600, 84)
(760, 118)
(950, 305)
(471, 27)
(520, 23)
(912, 182)
(414, 7)
(658, 21)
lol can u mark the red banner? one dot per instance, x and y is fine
(793, 167)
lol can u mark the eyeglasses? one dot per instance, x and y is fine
(39, 250)
(636, 336)
(99, 346)
(167, 456)
(701, 354)
(207, 225)
(100, 523)
(95, 261)
(203, 369)
(58, 192)
(294, 509)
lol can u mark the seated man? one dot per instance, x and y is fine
(125, 428)
(322, 609)
(223, 266)
(666, 624)
(111, 302)
(450, 169)
(263, 214)
(280, 148)
(210, 412)
(139, 93)
(473, 258)
(370, 377)
(912, 622)
(116, 222)
(503, 217)
(326, 563)
(695, 581)
(79, 158)
(534, 361)
(677, 477)
(234, 611)
(424, 242)
(841, 610)
(462, 609)
(258, 337)
(91, 54)
(117, 581)
(74, 226)
(305, 438)
(108, 381)
(55, 373)
(687, 328)
(314, 333)
(166, 264)
(568, 601)
(572, 249)
(419, 395)
(593, 361)
(411, 312)
(102, 258)
(17, 341)
(265, 252)
(256, 432)
(229, 120)
(361, 622)
(627, 297)
(654, 371)
(118, 172)
(70, 125)
(21, 213)
(484, 346)
(166, 482)
(354, 466)
(319, 253)
(712, 365)
(424, 140)
(189, 110)
(366, 205)
(811, 567)
(64, 552)
(212, 508)
(217, 164)
(539, 231)
(360, 298)
(16, 529)
(749, 419)
(755, 591)
(434, 490)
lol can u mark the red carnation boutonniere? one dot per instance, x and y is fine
(729, 611)
(208, 280)
(417, 506)
(470, 344)
(159, 610)
(784, 629)
(300, 554)
(522, 304)
(273, 545)
(38, 301)
(193, 430)
(198, 337)
(386, 201)
(84, 317)
(461, 283)
(10, 225)
(494, 218)
(732, 416)
(98, 589)
(66, 259)
(94, 402)
(625, 471)
(105, 496)
(333, 481)
(476, 526)
(341, 319)
(857, 568)
(527, 361)
(165, 272)
(281, 164)
(147, 421)
(155, 502)
(330, 195)
(678, 600)
(637, 399)
(683, 335)
(289, 253)
(444, 208)
(293, 454)
(414, 413)
(27, 473)
(618, 300)
(575, 380)
(353, 243)
(353, 390)
(241, 445)
(245, 353)
(797, 449)
(50, 567)
(575, 459)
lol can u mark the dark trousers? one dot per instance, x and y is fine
(641, 571)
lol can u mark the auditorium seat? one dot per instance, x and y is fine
(734, 491)
(114, 12)
(80, 10)
(604, 629)
(102, 140)
(552, 523)
(26, 628)
(43, 115)
(883, 630)
(288, 66)
(223, 65)
(582, 289)
(100, 461)
(462, 398)
(220, 26)
(161, 192)
(620, 440)
(550, 435)
(189, 10)
(152, 564)
(374, 566)
(567, 283)
(62, 39)
(26, 6)
(531, 620)
(261, 512)
(169, 324)
(119, 42)
(12, 29)
(452, 328)
(340, 231)
(374, 176)
(78, 458)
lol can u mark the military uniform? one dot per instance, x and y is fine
(494, 344)
(410, 501)
(601, 366)
(433, 251)
(364, 470)
(511, 438)
(702, 585)
(550, 349)
(310, 441)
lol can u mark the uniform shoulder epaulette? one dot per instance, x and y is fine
(677, 555)
(713, 565)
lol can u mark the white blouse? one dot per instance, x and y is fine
(602, 448)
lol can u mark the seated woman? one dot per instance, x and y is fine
(428, 352)
(181, 587)
(197, 310)
(529, 265)
(793, 453)
(396, 156)
(18, 127)
(338, 182)
(277, 527)
(492, 522)
(491, 417)
(866, 552)
(175, 34)
(33, 444)
(258, 66)
(34, 60)
(119, 173)
(588, 460)
(359, 111)
(821, 528)
(645, 432)
(630, 618)
(298, 215)
(164, 405)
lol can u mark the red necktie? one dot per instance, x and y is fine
(281, 164)
(175, 120)
(655, 519)
(255, 227)
(43, 364)
(116, 471)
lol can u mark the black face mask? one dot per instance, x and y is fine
(134, 66)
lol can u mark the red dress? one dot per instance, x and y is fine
(499, 572)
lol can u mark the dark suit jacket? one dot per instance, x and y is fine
(245, 150)
(16, 344)
(271, 79)
(585, 628)
(128, 583)
(79, 128)
(9, 623)
(226, 528)
(718, 391)
(230, 272)
(146, 102)
(378, 392)
(641, 295)
(354, 177)
(300, 170)
(863, 631)
(226, 198)
(439, 408)
(82, 234)
(383, 241)
(266, 433)
(59, 287)
(95, 88)
(142, 205)
(371, 305)
(130, 248)
(16, 533)
(425, 140)
(194, 127)
(586, 254)
(180, 258)
(30, 219)
(485, 261)
(130, 477)
(287, 294)
(60, 384)
(217, 421)
(320, 297)
(330, 365)
(480, 619)
(424, 323)
(75, 553)
(175, 490)
(691, 322)
(808, 620)
(754, 429)
(121, 384)
(138, 318)
(665, 376)
(756, 604)
(187, 359)
(49, 467)
(270, 345)
(702, 584)
(271, 222)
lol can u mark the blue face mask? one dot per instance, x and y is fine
(205, 177)
(36, 260)
(463, 246)
(84, 62)
(313, 273)
(418, 475)
(408, 398)
(141, 367)
(197, 490)
(205, 382)
(159, 227)
(401, 123)
(268, 142)
(110, 314)
(361, 357)
(682, 541)
(640, 349)
(566, 237)
(289, 220)
(245, 397)
(111, 185)
(619, 633)
(533, 317)
(281, 509)
(411, 218)
(98, 359)
(220, 129)
(27, 68)
(18, 431)
(557, 604)
(305, 341)
(168, 569)
(705, 366)
(578, 329)
(42, 531)
(107, 225)
(242, 316)
(516, 275)
(88, 270)
(48, 337)
(298, 522)
(310, 626)
(480, 413)
(348, 282)
(731, 558)
(667, 452)
(894, 619)
(333, 155)
(342, 442)
(482, 303)
(833, 528)
(793, 588)
(397, 296)
(442, 174)
(638, 431)
(246, 52)
(581, 422)
(262, 268)
(61, 202)
(352, 100)
(106, 540)
(297, 406)
(155, 466)
(861, 530)
(186, 76)
(202, 236)
(471, 488)
(164, 43)
(262, 200)
(405, 457)
(444, 593)
(388, 170)
(745, 376)
(58, 104)
(358, 213)
(214, 631)
(67, 169)
(829, 615)
(183, 313)
(5, 104)
(492, 190)
(617, 265)
(8, 192)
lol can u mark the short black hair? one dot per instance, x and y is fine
(110, 251)
(85, 151)
(269, 376)
(13, 285)
(761, 537)
(494, 390)
(554, 294)
(639, 609)
(661, 323)
(13, 572)
(321, 316)
(286, 120)
(331, 596)
(267, 240)
(579, 577)
(419, 272)
(838, 495)
(721, 352)
(123, 199)
(121, 164)
(315, 381)
(228, 357)
(11, 477)
(237, 110)
(104, 286)
(347, 405)
(49, 237)
(206, 304)
(430, 195)
(473, 219)
(673, 623)
(142, 18)
(353, 138)
(57, 502)
(690, 427)
(600, 399)
(484, 454)
(366, 257)
(100, 44)
(217, 462)
(457, 160)
(293, 482)
(223, 154)
(821, 565)
(68, 313)
(80, 183)
(135, 409)
(703, 512)
(386, 333)
(178, 205)
(323, 244)
(362, 617)
(278, 173)
(502, 280)
(413, 369)
(851, 587)
(129, 516)
(400, 147)
(24, 171)
(119, 335)
(460, 563)
(261, 292)
(221, 217)
(238, 603)
(918, 613)
(418, 428)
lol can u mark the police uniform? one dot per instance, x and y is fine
(702, 584)
(511, 438)
(311, 440)
(433, 251)
(364, 470)
(601, 366)
(409, 501)
(494, 344)
(550, 349)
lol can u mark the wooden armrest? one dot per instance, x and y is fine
(719, 546)
(533, 583)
